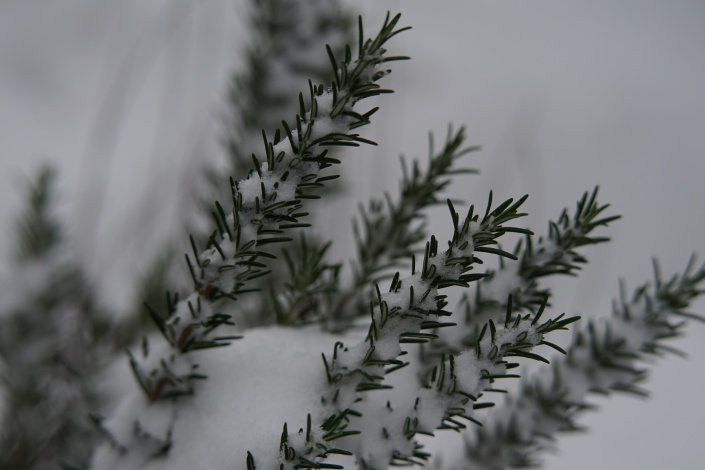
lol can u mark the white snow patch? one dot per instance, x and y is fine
(272, 376)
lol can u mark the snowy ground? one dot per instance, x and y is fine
(124, 95)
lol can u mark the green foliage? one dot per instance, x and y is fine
(603, 358)
(388, 234)
(51, 339)
(282, 33)
(538, 258)
(309, 287)
(37, 230)
(265, 207)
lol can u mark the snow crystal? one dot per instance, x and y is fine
(286, 190)
(380, 436)
(349, 359)
(502, 283)
(250, 187)
(545, 252)
(431, 409)
(387, 345)
(402, 296)
(468, 369)
(325, 104)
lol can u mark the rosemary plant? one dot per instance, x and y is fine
(538, 257)
(397, 363)
(265, 206)
(604, 357)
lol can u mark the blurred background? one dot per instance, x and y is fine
(127, 99)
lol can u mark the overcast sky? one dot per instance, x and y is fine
(124, 95)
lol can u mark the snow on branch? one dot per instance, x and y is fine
(413, 305)
(385, 236)
(604, 357)
(404, 314)
(264, 207)
(554, 254)
(457, 384)
(285, 52)
(538, 257)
